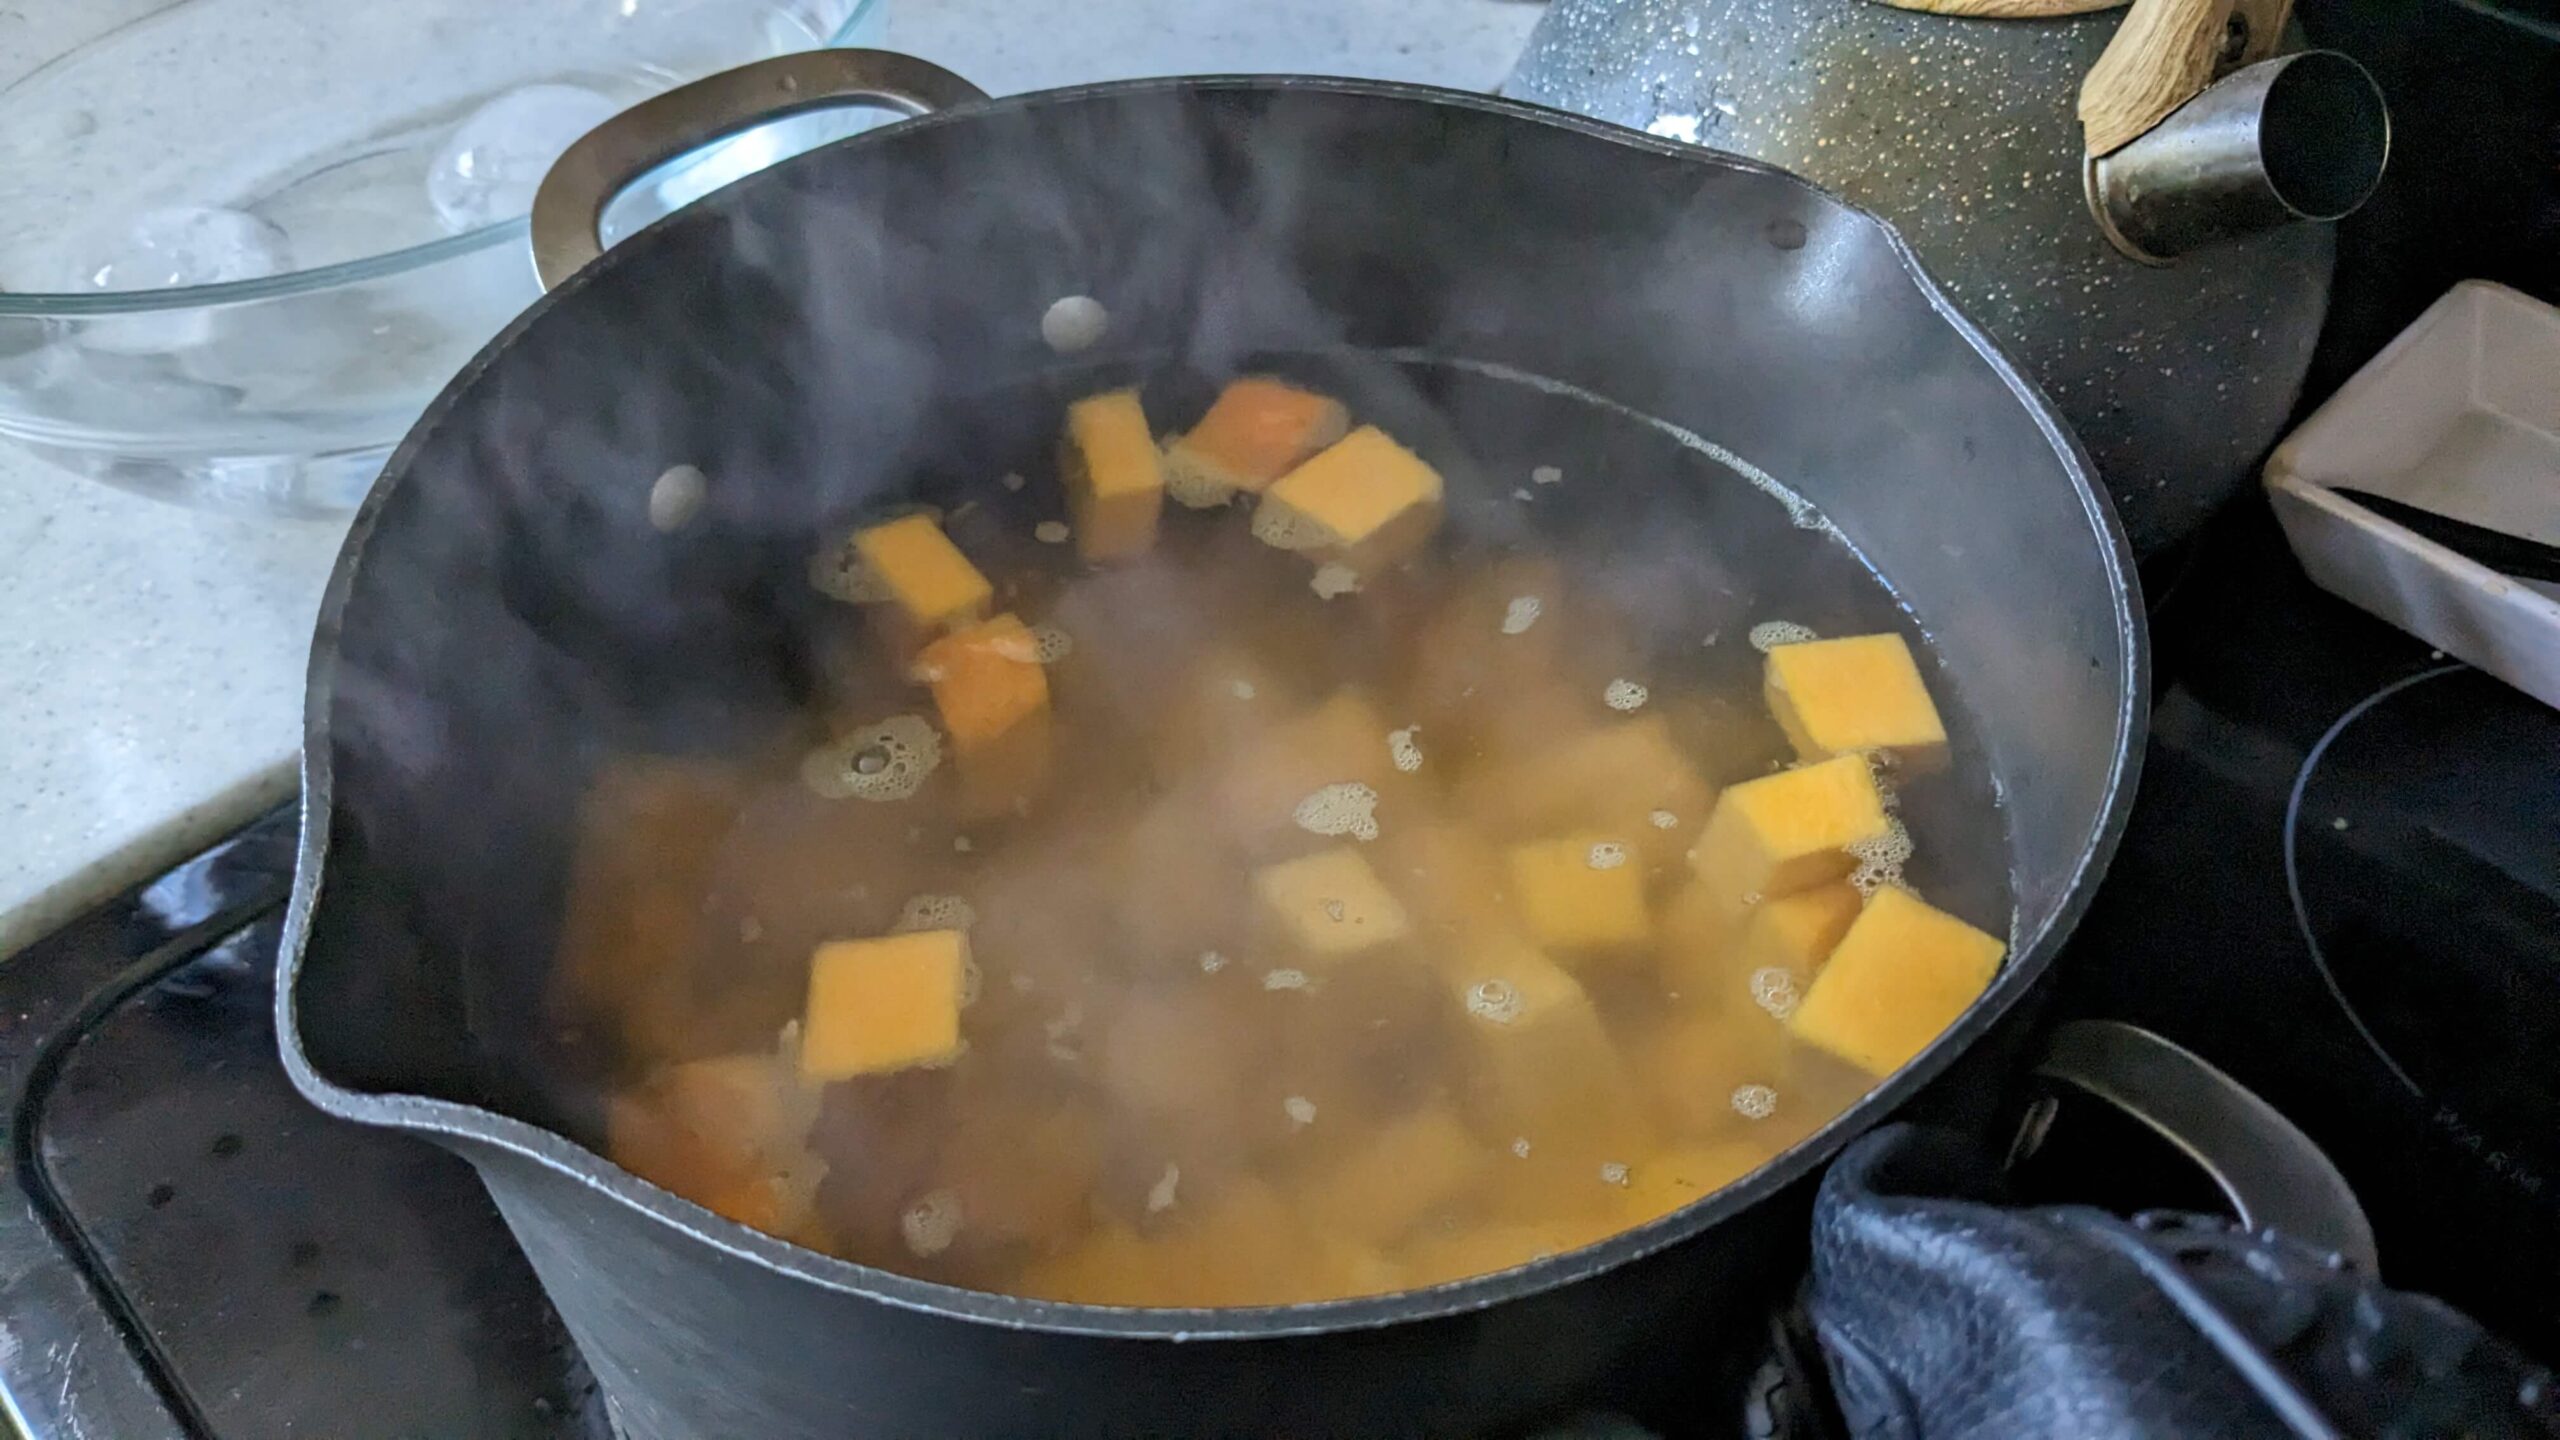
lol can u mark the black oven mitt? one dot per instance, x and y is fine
(1943, 1315)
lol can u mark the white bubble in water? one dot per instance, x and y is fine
(1607, 855)
(489, 167)
(1348, 808)
(1301, 1110)
(1663, 820)
(886, 761)
(1523, 496)
(960, 844)
(931, 1223)
(1613, 1173)
(1241, 689)
(1520, 1147)
(934, 912)
(1624, 695)
(1496, 1001)
(1755, 1102)
(1547, 475)
(1284, 529)
(1013, 480)
(1334, 578)
(1403, 751)
(1049, 644)
(1074, 323)
(1050, 532)
(1285, 980)
(1773, 988)
(1160, 1196)
(1770, 634)
(676, 496)
(1520, 614)
(1880, 860)
(1211, 962)
(750, 930)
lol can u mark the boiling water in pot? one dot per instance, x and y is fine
(1217, 923)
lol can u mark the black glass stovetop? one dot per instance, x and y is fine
(2341, 884)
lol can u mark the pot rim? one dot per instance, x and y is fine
(476, 1131)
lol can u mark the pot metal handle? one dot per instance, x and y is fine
(2270, 1172)
(589, 174)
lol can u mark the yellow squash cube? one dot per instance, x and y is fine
(986, 679)
(1786, 832)
(881, 1005)
(1580, 895)
(1114, 476)
(1617, 777)
(1330, 905)
(1694, 1060)
(1455, 885)
(1541, 1064)
(1796, 933)
(1852, 695)
(1365, 501)
(1258, 430)
(917, 567)
(729, 1134)
(1411, 1168)
(1902, 975)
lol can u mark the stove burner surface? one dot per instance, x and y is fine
(187, 1248)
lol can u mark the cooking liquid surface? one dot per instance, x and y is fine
(1174, 1087)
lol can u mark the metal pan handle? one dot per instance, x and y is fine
(586, 177)
(2270, 1172)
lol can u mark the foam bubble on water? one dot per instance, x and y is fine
(1051, 532)
(1301, 1110)
(1607, 855)
(1049, 644)
(1755, 1102)
(1495, 1001)
(838, 573)
(1161, 1195)
(1334, 578)
(931, 1223)
(1211, 962)
(1523, 496)
(1520, 1147)
(1880, 860)
(1624, 695)
(1613, 1173)
(1285, 980)
(885, 761)
(488, 168)
(934, 912)
(750, 930)
(961, 844)
(1546, 475)
(1768, 635)
(1065, 1032)
(676, 497)
(1013, 481)
(1241, 689)
(1402, 749)
(1773, 988)
(183, 245)
(1520, 614)
(1347, 808)
(1284, 529)
(1663, 820)
(1076, 322)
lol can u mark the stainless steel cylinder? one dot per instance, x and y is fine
(2300, 137)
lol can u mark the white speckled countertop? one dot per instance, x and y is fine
(151, 658)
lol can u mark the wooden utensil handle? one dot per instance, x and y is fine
(2165, 52)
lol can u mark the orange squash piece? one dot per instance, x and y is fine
(1900, 976)
(1114, 476)
(1581, 895)
(1258, 430)
(881, 1005)
(1365, 501)
(920, 571)
(1789, 831)
(987, 679)
(1854, 694)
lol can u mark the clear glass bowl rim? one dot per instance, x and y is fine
(41, 304)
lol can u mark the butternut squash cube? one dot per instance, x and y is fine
(1786, 832)
(881, 1005)
(1342, 741)
(932, 584)
(1542, 1065)
(1794, 933)
(729, 1134)
(1580, 895)
(1114, 476)
(1902, 975)
(986, 679)
(1696, 1058)
(1852, 695)
(1613, 777)
(1330, 905)
(1365, 501)
(1258, 430)
(1456, 887)
(1662, 1183)
(1409, 1169)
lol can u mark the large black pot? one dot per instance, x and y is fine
(505, 613)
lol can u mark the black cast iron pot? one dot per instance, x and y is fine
(505, 614)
